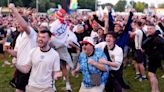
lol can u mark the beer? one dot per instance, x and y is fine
(7, 45)
(5, 10)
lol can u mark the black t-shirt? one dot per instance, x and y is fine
(2, 33)
(153, 46)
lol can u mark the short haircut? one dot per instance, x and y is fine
(45, 31)
(150, 23)
(113, 34)
(139, 23)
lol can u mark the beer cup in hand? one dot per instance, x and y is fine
(6, 46)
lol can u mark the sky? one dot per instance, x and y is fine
(150, 2)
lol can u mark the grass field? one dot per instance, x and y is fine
(136, 86)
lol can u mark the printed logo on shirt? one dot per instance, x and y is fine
(42, 57)
(61, 31)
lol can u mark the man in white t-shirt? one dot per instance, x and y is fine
(24, 43)
(44, 63)
(60, 31)
(138, 55)
(114, 55)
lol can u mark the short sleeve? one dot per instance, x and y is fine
(32, 32)
(56, 66)
(17, 42)
(119, 57)
(29, 58)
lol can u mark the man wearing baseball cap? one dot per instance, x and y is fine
(89, 64)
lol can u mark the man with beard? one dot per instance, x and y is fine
(44, 63)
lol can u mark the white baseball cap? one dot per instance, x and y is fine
(89, 40)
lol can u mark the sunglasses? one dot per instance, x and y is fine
(85, 44)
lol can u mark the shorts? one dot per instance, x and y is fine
(138, 56)
(126, 51)
(64, 55)
(21, 80)
(153, 64)
(1, 49)
(36, 89)
(63, 62)
(92, 89)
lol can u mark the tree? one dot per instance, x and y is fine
(161, 5)
(152, 6)
(18, 2)
(44, 5)
(87, 4)
(120, 5)
(26, 3)
(140, 6)
(107, 4)
(133, 3)
(3, 2)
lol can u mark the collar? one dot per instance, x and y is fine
(46, 50)
(92, 53)
(113, 47)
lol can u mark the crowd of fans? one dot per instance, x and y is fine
(97, 47)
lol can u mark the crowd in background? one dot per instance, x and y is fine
(142, 36)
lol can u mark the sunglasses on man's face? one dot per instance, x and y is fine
(85, 44)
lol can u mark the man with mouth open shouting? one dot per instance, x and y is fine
(44, 63)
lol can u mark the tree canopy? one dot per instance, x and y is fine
(161, 5)
(140, 6)
(89, 4)
(120, 5)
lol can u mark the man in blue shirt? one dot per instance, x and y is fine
(91, 68)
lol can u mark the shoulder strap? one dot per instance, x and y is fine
(107, 53)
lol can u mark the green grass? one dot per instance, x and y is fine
(6, 74)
